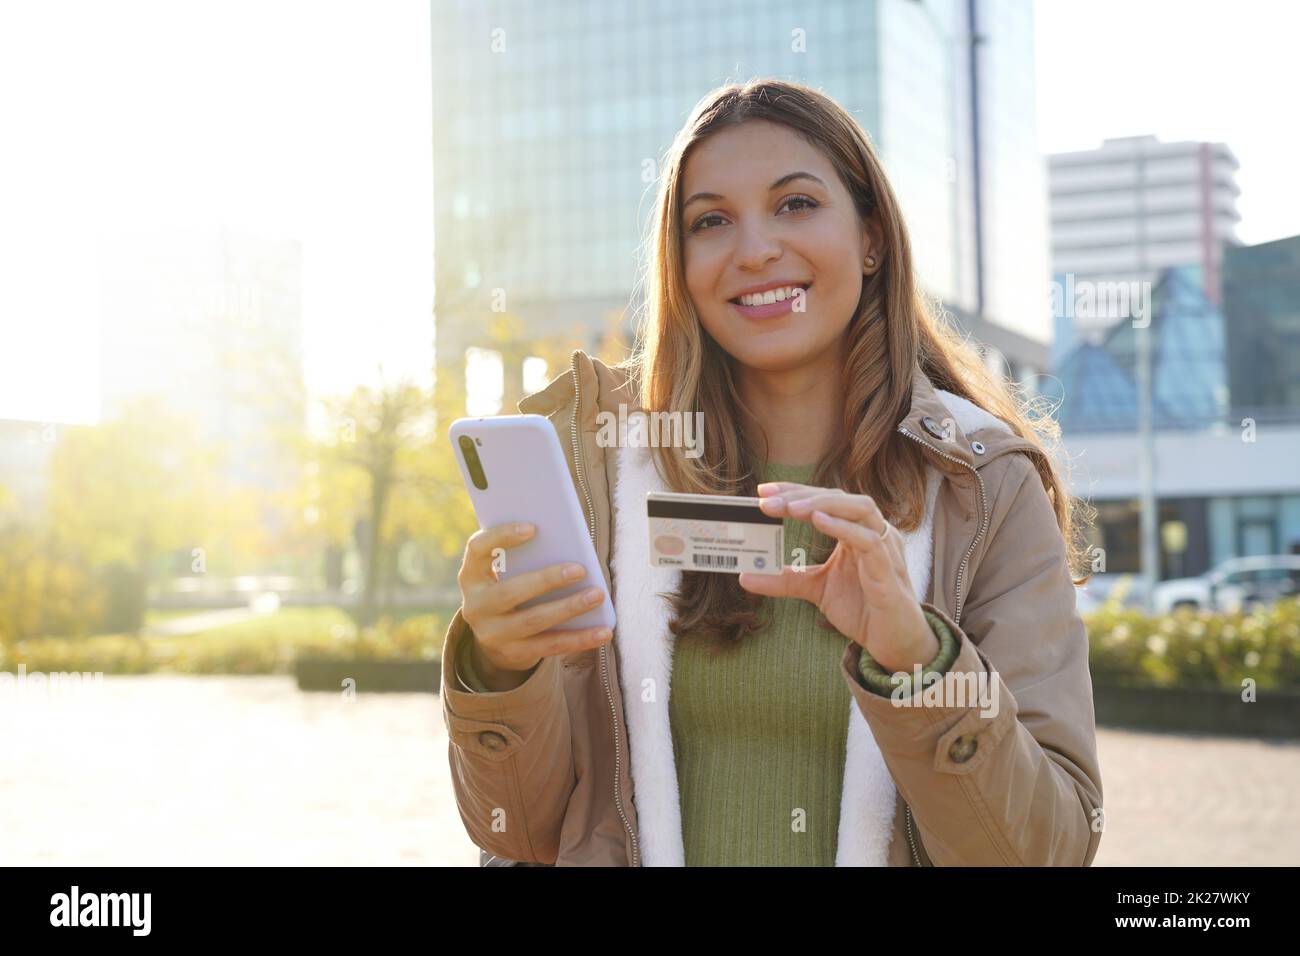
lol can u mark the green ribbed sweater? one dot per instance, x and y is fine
(759, 732)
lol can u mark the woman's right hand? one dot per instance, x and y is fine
(509, 643)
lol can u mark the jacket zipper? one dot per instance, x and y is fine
(604, 648)
(961, 573)
(979, 534)
(911, 841)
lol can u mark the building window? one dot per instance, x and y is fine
(484, 382)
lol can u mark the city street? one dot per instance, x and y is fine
(228, 771)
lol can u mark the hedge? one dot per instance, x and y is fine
(1189, 648)
(262, 645)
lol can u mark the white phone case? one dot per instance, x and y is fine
(528, 480)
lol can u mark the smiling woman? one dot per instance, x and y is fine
(759, 719)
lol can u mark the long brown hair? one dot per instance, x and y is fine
(894, 330)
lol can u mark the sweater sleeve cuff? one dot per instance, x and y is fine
(466, 676)
(882, 682)
(468, 679)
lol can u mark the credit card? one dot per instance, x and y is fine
(718, 533)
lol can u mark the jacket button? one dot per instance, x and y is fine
(963, 748)
(933, 427)
(491, 740)
(977, 447)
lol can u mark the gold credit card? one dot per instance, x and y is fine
(718, 533)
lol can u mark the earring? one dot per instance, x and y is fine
(871, 262)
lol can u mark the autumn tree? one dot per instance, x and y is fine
(125, 491)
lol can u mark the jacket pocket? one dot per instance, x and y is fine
(484, 738)
(582, 659)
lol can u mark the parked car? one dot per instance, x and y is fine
(1126, 589)
(1236, 584)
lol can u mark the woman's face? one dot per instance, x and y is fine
(763, 209)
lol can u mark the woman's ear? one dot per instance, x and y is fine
(873, 243)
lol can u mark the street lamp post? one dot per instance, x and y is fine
(1147, 504)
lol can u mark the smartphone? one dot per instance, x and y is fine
(515, 470)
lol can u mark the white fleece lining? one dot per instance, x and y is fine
(644, 648)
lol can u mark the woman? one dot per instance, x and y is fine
(926, 528)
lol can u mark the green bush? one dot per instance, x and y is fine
(1196, 648)
(266, 644)
(106, 653)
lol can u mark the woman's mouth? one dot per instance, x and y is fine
(773, 302)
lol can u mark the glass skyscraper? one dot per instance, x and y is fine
(1261, 292)
(550, 119)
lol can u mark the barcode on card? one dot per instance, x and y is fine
(717, 534)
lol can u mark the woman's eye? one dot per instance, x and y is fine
(699, 223)
(806, 202)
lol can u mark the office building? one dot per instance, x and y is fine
(1261, 292)
(1134, 206)
(1225, 475)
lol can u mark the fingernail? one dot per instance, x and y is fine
(523, 529)
(592, 595)
(774, 502)
(603, 634)
(573, 571)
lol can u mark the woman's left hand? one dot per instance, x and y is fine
(863, 589)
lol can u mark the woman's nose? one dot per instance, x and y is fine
(756, 248)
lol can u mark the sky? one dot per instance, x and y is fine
(286, 119)
(1182, 70)
(313, 121)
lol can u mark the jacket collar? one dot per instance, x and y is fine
(954, 426)
(945, 423)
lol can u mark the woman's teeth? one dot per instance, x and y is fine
(768, 297)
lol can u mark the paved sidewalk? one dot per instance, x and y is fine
(222, 771)
(1186, 800)
(200, 621)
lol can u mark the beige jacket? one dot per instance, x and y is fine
(560, 771)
